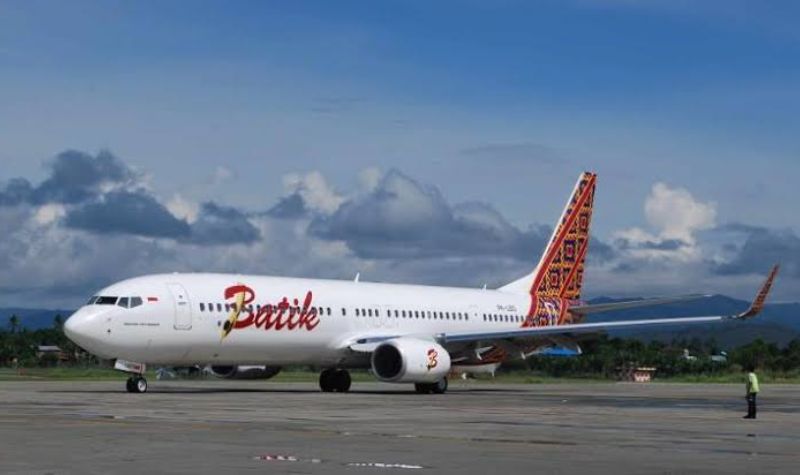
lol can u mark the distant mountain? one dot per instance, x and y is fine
(779, 323)
(32, 318)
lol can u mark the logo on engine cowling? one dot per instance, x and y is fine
(433, 359)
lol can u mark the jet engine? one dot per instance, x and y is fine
(410, 360)
(245, 372)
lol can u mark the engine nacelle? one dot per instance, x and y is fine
(410, 360)
(245, 372)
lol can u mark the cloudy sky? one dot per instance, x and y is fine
(407, 141)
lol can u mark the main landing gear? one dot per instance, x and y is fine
(334, 380)
(439, 387)
(136, 384)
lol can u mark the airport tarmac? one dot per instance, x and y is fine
(236, 426)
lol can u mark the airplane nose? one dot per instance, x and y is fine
(72, 326)
(84, 328)
(76, 327)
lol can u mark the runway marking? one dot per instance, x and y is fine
(385, 465)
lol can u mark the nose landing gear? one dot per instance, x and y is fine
(136, 384)
(334, 380)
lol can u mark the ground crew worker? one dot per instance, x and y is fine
(752, 392)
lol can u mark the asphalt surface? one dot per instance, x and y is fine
(234, 426)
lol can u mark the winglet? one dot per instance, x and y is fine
(758, 303)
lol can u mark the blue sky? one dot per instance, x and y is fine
(243, 104)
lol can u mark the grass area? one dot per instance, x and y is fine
(62, 373)
(307, 376)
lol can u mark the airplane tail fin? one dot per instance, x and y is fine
(560, 270)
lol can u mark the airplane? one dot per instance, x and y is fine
(249, 326)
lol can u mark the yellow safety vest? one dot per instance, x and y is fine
(752, 383)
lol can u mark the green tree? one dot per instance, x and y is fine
(13, 323)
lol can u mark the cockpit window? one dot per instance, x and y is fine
(124, 302)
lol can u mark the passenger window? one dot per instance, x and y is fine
(135, 302)
(357, 314)
(123, 302)
(202, 307)
(219, 307)
(344, 312)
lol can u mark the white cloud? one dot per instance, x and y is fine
(676, 216)
(317, 194)
(49, 213)
(369, 178)
(400, 231)
(182, 208)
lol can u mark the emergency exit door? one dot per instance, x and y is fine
(183, 309)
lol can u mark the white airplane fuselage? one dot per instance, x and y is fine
(182, 316)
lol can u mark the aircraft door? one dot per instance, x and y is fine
(183, 309)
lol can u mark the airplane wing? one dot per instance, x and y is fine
(607, 307)
(367, 344)
(754, 309)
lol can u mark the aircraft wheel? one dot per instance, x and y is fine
(439, 387)
(139, 385)
(326, 380)
(136, 384)
(341, 380)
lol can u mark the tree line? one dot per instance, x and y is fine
(606, 357)
(602, 356)
(20, 346)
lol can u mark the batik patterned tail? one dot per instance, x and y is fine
(560, 271)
